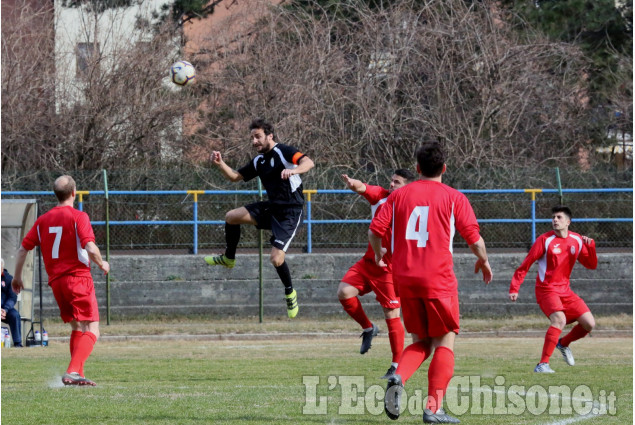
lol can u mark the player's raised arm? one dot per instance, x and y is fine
(229, 173)
(353, 184)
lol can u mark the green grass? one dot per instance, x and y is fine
(174, 381)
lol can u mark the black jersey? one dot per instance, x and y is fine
(269, 168)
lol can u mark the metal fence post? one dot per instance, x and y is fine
(308, 220)
(195, 218)
(533, 212)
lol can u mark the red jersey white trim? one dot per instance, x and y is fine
(556, 257)
(61, 234)
(424, 216)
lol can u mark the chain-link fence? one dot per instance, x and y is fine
(338, 218)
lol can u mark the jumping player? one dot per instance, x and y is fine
(279, 167)
(556, 252)
(423, 216)
(67, 243)
(365, 276)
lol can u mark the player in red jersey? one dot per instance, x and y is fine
(67, 243)
(424, 216)
(365, 276)
(556, 252)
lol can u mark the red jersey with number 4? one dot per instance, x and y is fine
(376, 196)
(61, 234)
(424, 216)
(556, 257)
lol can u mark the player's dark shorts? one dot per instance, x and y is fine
(282, 221)
(568, 302)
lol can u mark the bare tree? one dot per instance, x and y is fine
(362, 93)
(115, 109)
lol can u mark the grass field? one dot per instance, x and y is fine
(281, 378)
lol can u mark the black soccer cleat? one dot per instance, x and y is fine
(392, 399)
(438, 418)
(367, 338)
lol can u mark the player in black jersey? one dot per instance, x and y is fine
(279, 167)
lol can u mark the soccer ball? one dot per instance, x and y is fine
(182, 73)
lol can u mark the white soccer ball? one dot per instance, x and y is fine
(182, 73)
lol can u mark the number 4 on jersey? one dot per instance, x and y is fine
(419, 215)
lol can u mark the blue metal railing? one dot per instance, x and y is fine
(309, 222)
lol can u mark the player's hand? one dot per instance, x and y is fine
(379, 259)
(353, 184)
(286, 173)
(3, 313)
(216, 158)
(485, 268)
(17, 284)
(105, 266)
(513, 296)
(587, 240)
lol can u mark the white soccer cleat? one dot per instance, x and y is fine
(543, 368)
(566, 353)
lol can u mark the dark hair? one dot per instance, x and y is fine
(406, 174)
(562, 208)
(431, 158)
(63, 187)
(264, 125)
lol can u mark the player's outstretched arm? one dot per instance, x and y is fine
(229, 173)
(482, 263)
(354, 184)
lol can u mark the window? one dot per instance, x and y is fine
(86, 55)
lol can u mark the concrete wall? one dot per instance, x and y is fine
(184, 284)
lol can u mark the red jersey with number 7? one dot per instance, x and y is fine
(61, 234)
(424, 216)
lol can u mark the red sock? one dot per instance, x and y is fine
(411, 359)
(354, 309)
(82, 351)
(551, 339)
(574, 334)
(439, 375)
(396, 335)
(74, 338)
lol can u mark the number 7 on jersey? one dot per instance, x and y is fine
(56, 244)
(419, 215)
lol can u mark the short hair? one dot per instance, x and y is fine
(63, 187)
(562, 208)
(264, 125)
(431, 158)
(406, 174)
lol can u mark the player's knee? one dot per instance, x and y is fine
(230, 217)
(276, 261)
(588, 324)
(558, 321)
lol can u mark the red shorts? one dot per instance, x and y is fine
(431, 317)
(75, 296)
(568, 302)
(367, 276)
